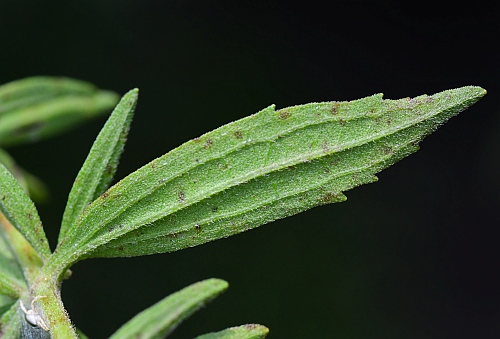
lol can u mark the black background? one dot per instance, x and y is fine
(412, 256)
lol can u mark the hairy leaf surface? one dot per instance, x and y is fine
(258, 169)
(100, 166)
(250, 331)
(20, 211)
(35, 188)
(160, 319)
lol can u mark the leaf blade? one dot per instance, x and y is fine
(35, 188)
(12, 282)
(32, 90)
(160, 319)
(249, 331)
(20, 211)
(188, 196)
(39, 107)
(11, 323)
(101, 163)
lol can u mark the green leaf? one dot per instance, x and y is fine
(250, 172)
(32, 90)
(160, 319)
(35, 108)
(5, 304)
(11, 323)
(11, 287)
(20, 211)
(100, 166)
(12, 282)
(10, 164)
(250, 331)
(31, 184)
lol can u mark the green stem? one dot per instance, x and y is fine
(49, 306)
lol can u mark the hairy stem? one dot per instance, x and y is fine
(49, 306)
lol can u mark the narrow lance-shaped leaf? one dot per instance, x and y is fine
(31, 184)
(35, 108)
(11, 323)
(32, 90)
(12, 282)
(250, 331)
(10, 164)
(160, 319)
(20, 211)
(5, 304)
(10, 286)
(100, 166)
(264, 167)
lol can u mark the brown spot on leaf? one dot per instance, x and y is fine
(330, 197)
(335, 107)
(284, 115)
(387, 150)
(181, 195)
(238, 134)
(208, 143)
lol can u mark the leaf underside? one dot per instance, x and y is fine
(267, 166)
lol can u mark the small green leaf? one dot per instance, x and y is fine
(100, 166)
(11, 323)
(250, 331)
(33, 90)
(12, 282)
(8, 261)
(5, 305)
(15, 170)
(250, 172)
(20, 211)
(31, 184)
(10, 286)
(160, 319)
(35, 108)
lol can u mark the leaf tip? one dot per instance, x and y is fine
(133, 94)
(221, 285)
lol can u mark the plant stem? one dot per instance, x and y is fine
(49, 306)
